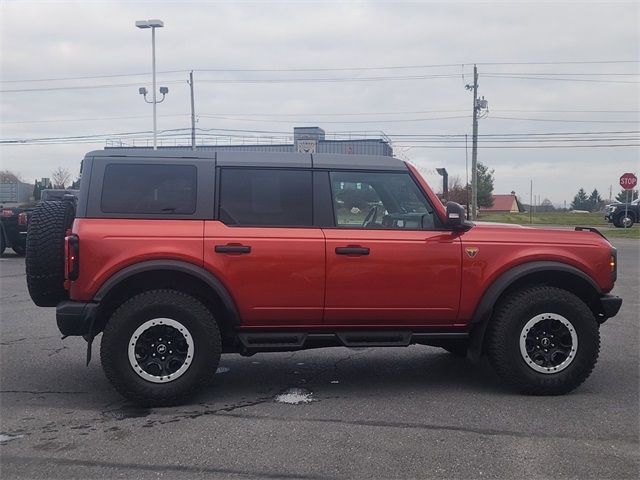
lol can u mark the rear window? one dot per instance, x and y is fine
(148, 189)
(265, 197)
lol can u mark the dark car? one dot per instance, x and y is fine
(15, 220)
(53, 194)
(622, 215)
(13, 228)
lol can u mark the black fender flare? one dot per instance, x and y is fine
(483, 311)
(179, 266)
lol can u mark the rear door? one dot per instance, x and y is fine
(388, 261)
(264, 248)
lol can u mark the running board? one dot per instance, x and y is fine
(272, 340)
(265, 341)
(375, 338)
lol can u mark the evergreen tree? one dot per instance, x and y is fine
(37, 191)
(580, 201)
(485, 186)
(625, 194)
(595, 202)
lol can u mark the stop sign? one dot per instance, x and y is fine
(628, 181)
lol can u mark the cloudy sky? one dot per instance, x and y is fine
(262, 68)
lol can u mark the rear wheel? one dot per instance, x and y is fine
(160, 347)
(543, 341)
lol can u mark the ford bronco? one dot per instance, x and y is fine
(177, 257)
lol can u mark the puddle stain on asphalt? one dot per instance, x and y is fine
(295, 396)
(6, 438)
(128, 411)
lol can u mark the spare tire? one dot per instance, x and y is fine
(45, 252)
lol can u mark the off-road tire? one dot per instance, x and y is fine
(506, 326)
(45, 252)
(166, 304)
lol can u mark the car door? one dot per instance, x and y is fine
(263, 247)
(388, 262)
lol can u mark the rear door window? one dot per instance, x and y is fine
(149, 189)
(266, 197)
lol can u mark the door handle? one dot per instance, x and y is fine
(352, 250)
(232, 249)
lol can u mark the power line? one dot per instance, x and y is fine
(561, 120)
(327, 69)
(88, 77)
(560, 79)
(81, 87)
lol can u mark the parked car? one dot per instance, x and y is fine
(13, 228)
(622, 215)
(14, 221)
(177, 259)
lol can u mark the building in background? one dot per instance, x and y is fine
(305, 140)
(12, 190)
(504, 204)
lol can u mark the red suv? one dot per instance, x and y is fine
(177, 257)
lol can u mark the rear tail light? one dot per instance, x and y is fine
(72, 264)
(6, 212)
(22, 218)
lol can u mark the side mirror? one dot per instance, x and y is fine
(456, 218)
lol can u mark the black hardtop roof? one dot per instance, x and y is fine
(258, 159)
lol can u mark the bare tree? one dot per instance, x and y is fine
(60, 177)
(458, 192)
(10, 177)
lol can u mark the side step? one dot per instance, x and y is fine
(375, 338)
(272, 340)
(286, 341)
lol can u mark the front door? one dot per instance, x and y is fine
(388, 261)
(264, 248)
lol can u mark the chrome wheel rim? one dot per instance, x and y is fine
(160, 350)
(548, 343)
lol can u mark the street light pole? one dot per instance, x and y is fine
(153, 24)
(153, 67)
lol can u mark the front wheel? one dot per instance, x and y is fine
(160, 347)
(543, 341)
(625, 220)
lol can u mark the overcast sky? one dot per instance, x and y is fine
(47, 40)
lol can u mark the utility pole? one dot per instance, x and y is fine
(531, 202)
(193, 113)
(474, 148)
(478, 105)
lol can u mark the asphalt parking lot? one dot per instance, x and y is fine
(414, 412)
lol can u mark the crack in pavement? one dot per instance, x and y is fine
(55, 351)
(196, 469)
(428, 426)
(12, 342)
(40, 392)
